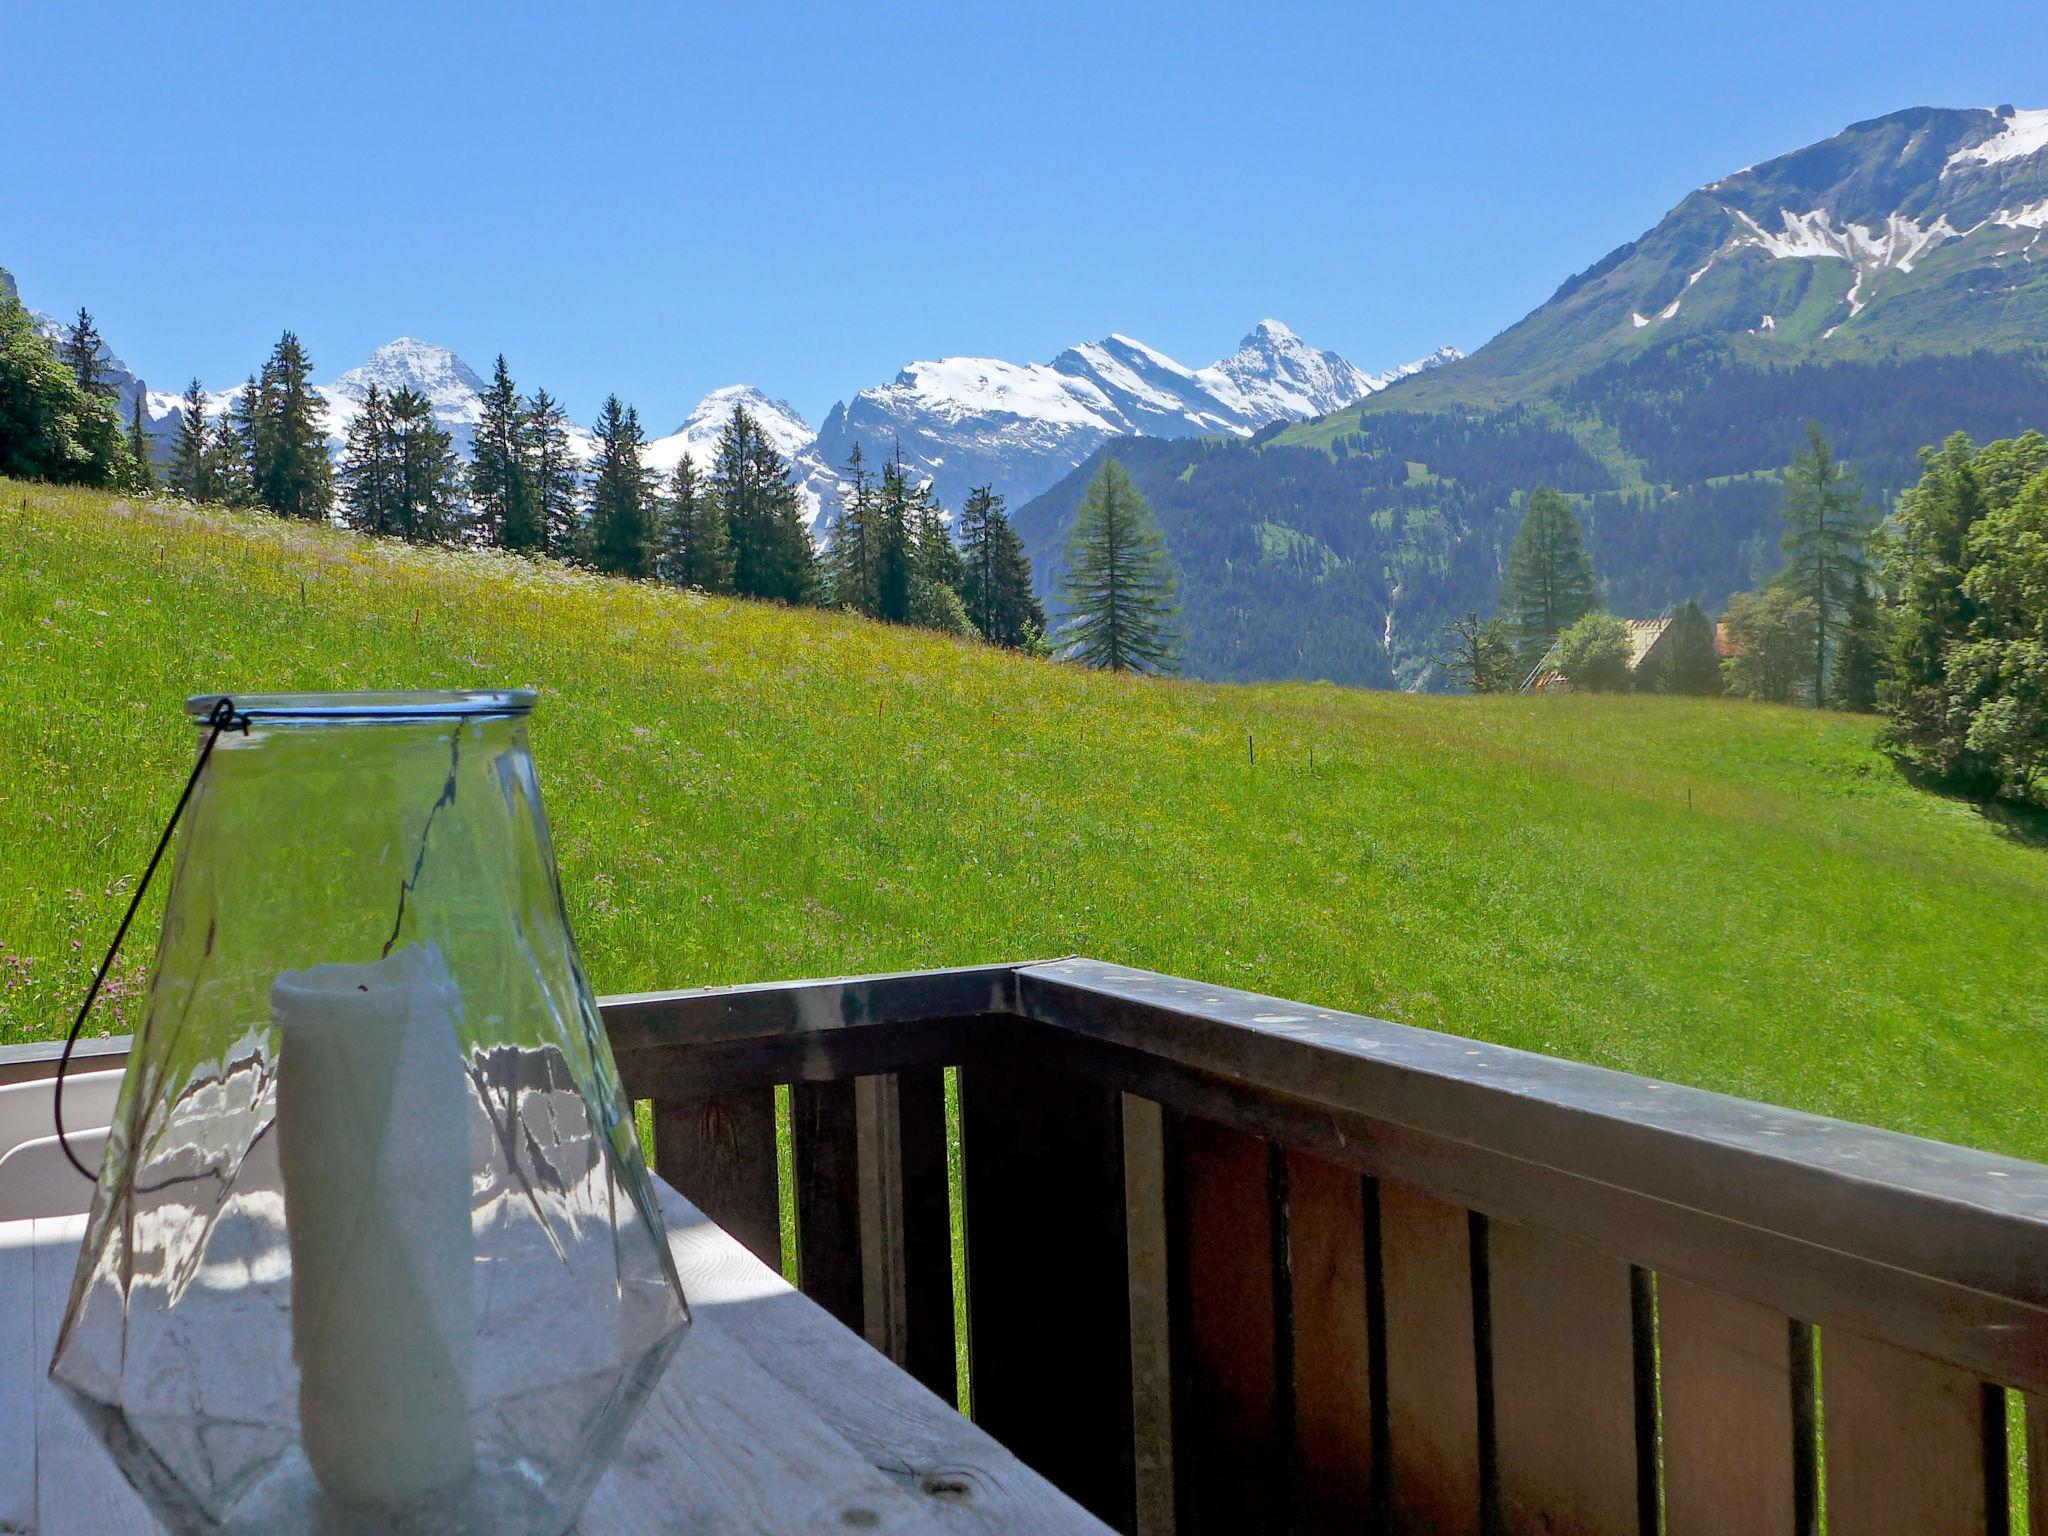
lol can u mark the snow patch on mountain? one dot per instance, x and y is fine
(780, 423)
(2024, 134)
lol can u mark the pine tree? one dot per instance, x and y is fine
(1859, 653)
(996, 583)
(141, 457)
(188, 469)
(894, 551)
(1549, 584)
(369, 468)
(850, 554)
(771, 547)
(934, 556)
(292, 473)
(1119, 584)
(231, 450)
(694, 549)
(82, 345)
(50, 429)
(554, 480)
(429, 499)
(503, 501)
(621, 496)
(1827, 527)
(1690, 663)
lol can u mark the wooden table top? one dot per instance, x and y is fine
(772, 1418)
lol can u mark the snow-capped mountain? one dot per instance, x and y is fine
(779, 421)
(968, 421)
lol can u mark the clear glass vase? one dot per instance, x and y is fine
(373, 1249)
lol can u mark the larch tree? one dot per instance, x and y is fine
(996, 575)
(1119, 585)
(1549, 584)
(1827, 531)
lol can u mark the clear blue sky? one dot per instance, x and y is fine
(657, 200)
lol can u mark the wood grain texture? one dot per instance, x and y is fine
(1730, 1454)
(720, 1151)
(1563, 1349)
(1333, 1428)
(1431, 1364)
(1905, 1442)
(827, 1169)
(883, 1298)
(969, 1482)
(1146, 1246)
(1048, 1297)
(1233, 1437)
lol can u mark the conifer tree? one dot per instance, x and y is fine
(370, 470)
(894, 550)
(498, 489)
(553, 478)
(1119, 584)
(1827, 526)
(694, 549)
(188, 467)
(934, 556)
(771, 547)
(1549, 585)
(850, 553)
(82, 344)
(996, 577)
(429, 500)
(292, 473)
(1481, 655)
(621, 496)
(1690, 664)
(141, 465)
(231, 449)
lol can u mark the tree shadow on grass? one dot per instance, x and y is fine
(2015, 821)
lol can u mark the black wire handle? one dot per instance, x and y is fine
(223, 717)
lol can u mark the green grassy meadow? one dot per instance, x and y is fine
(1740, 897)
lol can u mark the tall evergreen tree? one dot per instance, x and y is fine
(370, 472)
(996, 581)
(771, 547)
(499, 494)
(429, 501)
(1827, 528)
(188, 468)
(141, 457)
(554, 480)
(1549, 584)
(850, 554)
(895, 553)
(695, 551)
(1119, 584)
(50, 429)
(1690, 663)
(292, 473)
(231, 451)
(82, 344)
(622, 539)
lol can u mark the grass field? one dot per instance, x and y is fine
(1728, 895)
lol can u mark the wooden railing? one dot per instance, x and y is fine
(1236, 1264)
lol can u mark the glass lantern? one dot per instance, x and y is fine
(373, 1249)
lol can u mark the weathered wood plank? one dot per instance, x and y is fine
(720, 1151)
(1906, 1441)
(826, 1161)
(1233, 1413)
(881, 1216)
(1048, 1295)
(21, 1371)
(1564, 1390)
(1146, 1247)
(929, 1352)
(79, 1490)
(968, 1481)
(1731, 1455)
(1333, 1425)
(1431, 1362)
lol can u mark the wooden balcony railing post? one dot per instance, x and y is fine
(720, 1152)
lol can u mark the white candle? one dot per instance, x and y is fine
(373, 1143)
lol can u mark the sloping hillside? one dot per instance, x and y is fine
(1735, 896)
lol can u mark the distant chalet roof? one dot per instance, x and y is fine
(1644, 636)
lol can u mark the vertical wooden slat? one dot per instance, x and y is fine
(824, 1151)
(1730, 1451)
(927, 1231)
(1564, 1389)
(1906, 1442)
(1145, 1247)
(1232, 1431)
(720, 1152)
(1431, 1369)
(1048, 1300)
(1333, 1428)
(880, 1134)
